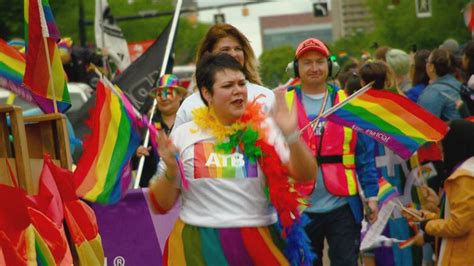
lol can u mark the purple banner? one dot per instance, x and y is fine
(131, 233)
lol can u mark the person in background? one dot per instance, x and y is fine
(468, 67)
(419, 77)
(225, 38)
(169, 96)
(399, 62)
(76, 61)
(381, 53)
(454, 225)
(345, 74)
(345, 158)
(391, 168)
(442, 97)
(378, 72)
(352, 83)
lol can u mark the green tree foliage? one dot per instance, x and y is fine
(398, 26)
(11, 20)
(187, 41)
(273, 63)
(66, 13)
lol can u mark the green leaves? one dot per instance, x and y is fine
(273, 63)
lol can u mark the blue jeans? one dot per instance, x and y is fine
(342, 233)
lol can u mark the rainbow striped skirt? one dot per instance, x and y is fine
(194, 245)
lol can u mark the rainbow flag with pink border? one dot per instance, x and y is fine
(393, 120)
(103, 173)
(44, 77)
(12, 70)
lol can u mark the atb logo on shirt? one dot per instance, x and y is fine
(211, 164)
(223, 160)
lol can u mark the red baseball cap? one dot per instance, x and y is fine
(311, 44)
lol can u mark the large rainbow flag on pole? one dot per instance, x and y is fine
(44, 73)
(393, 120)
(103, 173)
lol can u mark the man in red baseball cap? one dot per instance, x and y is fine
(345, 159)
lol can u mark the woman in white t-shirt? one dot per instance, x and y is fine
(225, 38)
(234, 187)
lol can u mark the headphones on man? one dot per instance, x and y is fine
(292, 69)
(331, 67)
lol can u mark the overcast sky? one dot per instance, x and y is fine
(250, 25)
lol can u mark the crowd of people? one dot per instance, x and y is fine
(250, 172)
(228, 211)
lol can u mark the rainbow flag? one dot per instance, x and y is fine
(79, 217)
(50, 244)
(12, 70)
(103, 172)
(387, 192)
(45, 77)
(389, 118)
(28, 236)
(16, 235)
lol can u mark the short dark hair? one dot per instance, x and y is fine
(443, 61)
(378, 72)
(209, 65)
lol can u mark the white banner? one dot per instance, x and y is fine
(373, 237)
(108, 35)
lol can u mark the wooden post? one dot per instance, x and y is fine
(50, 72)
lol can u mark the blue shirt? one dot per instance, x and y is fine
(415, 92)
(321, 199)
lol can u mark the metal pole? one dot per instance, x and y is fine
(174, 24)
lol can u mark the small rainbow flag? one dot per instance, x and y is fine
(12, 63)
(45, 78)
(12, 70)
(103, 172)
(389, 118)
(410, 241)
(387, 192)
(407, 243)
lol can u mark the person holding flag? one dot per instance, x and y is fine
(394, 170)
(453, 224)
(234, 182)
(345, 158)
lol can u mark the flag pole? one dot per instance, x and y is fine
(174, 24)
(112, 87)
(102, 35)
(338, 105)
(50, 72)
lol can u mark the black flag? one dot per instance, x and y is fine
(141, 76)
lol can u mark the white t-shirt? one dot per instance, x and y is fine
(184, 113)
(225, 190)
